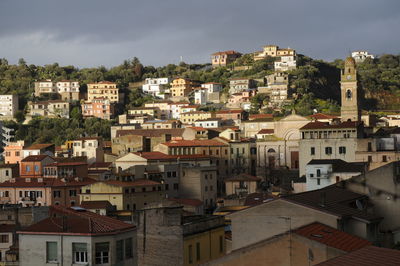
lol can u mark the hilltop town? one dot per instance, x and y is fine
(264, 158)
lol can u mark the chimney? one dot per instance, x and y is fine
(322, 199)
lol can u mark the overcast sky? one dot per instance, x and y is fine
(89, 33)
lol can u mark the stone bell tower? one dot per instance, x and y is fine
(349, 90)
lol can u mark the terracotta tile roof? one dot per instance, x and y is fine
(87, 138)
(101, 165)
(96, 204)
(193, 143)
(243, 177)
(367, 256)
(39, 146)
(255, 116)
(77, 222)
(137, 182)
(332, 237)
(35, 158)
(325, 125)
(198, 128)
(155, 155)
(103, 82)
(266, 131)
(175, 132)
(45, 182)
(191, 202)
(322, 116)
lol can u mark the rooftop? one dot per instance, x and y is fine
(96, 204)
(79, 221)
(137, 182)
(325, 125)
(332, 237)
(39, 146)
(367, 256)
(243, 177)
(266, 131)
(191, 202)
(195, 143)
(151, 132)
(35, 158)
(340, 165)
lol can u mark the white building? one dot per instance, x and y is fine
(92, 147)
(323, 173)
(75, 236)
(68, 90)
(208, 123)
(360, 56)
(200, 96)
(212, 87)
(285, 63)
(8, 105)
(156, 86)
(176, 109)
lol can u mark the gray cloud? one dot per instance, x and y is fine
(98, 32)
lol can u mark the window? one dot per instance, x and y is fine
(57, 194)
(197, 251)
(312, 151)
(7, 173)
(337, 179)
(79, 252)
(27, 168)
(190, 254)
(101, 254)
(221, 244)
(369, 158)
(72, 193)
(119, 250)
(328, 150)
(384, 158)
(176, 186)
(36, 168)
(3, 238)
(318, 181)
(342, 150)
(51, 252)
(128, 248)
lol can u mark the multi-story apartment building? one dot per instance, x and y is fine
(75, 236)
(8, 106)
(51, 109)
(224, 58)
(285, 63)
(151, 111)
(13, 152)
(200, 96)
(191, 117)
(164, 106)
(158, 87)
(68, 90)
(44, 87)
(101, 108)
(181, 87)
(103, 89)
(237, 85)
(273, 51)
(360, 56)
(91, 147)
(212, 86)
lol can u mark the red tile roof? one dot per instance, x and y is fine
(39, 146)
(325, 125)
(191, 202)
(266, 131)
(255, 116)
(322, 116)
(45, 182)
(96, 204)
(156, 155)
(77, 222)
(101, 165)
(35, 158)
(367, 256)
(226, 52)
(193, 143)
(175, 132)
(332, 237)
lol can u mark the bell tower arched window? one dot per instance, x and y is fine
(348, 94)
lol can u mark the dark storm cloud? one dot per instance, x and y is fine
(98, 32)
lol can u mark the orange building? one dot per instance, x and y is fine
(224, 58)
(33, 165)
(13, 152)
(98, 107)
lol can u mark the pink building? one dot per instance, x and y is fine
(98, 107)
(13, 152)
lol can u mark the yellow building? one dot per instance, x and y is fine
(191, 117)
(105, 89)
(181, 87)
(153, 111)
(131, 195)
(273, 51)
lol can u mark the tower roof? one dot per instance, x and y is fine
(349, 61)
